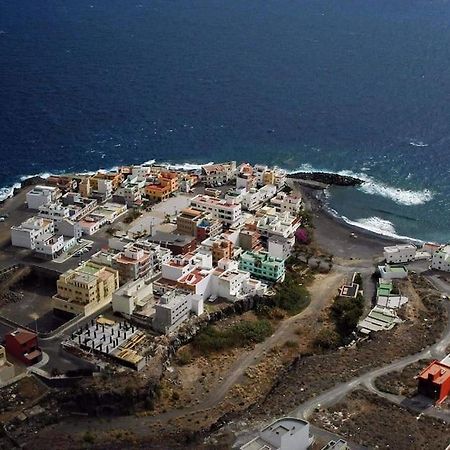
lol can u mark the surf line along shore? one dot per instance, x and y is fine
(331, 232)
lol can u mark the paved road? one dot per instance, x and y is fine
(335, 394)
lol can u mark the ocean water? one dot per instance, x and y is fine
(358, 87)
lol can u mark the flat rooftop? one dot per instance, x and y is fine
(399, 247)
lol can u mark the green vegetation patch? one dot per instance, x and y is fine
(292, 295)
(247, 332)
(346, 313)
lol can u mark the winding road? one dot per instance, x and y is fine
(366, 380)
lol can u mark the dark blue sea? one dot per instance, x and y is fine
(361, 87)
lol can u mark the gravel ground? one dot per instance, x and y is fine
(372, 421)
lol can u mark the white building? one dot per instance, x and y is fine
(29, 232)
(73, 207)
(91, 223)
(178, 267)
(233, 284)
(69, 228)
(283, 434)
(280, 225)
(132, 295)
(131, 190)
(198, 282)
(160, 255)
(141, 172)
(218, 174)
(279, 247)
(388, 272)
(254, 198)
(400, 253)
(291, 204)
(52, 245)
(42, 195)
(105, 187)
(173, 309)
(222, 210)
(54, 211)
(441, 259)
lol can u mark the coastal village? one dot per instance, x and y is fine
(133, 292)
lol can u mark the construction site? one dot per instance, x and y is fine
(120, 341)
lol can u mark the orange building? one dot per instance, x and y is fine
(222, 248)
(434, 381)
(157, 192)
(169, 179)
(167, 184)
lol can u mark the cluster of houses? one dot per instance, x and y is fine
(383, 316)
(388, 298)
(230, 242)
(61, 219)
(434, 380)
(439, 255)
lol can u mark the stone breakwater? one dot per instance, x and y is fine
(325, 178)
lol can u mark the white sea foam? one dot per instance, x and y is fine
(187, 166)
(407, 197)
(415, 143)
(7, 192)
(44, 175)
(379, 226)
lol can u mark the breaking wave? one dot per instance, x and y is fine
(379, 226)
(406, 197)
(186, 166)
(7, 192)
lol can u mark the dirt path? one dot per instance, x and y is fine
(322, 291)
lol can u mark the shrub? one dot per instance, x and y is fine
(291, 295)
(88, 437)
(291, 344)
(327, 339)
(346, 313)
(358, 280)
(184, 356)
(239, 335)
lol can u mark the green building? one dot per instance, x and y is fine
(263, 266)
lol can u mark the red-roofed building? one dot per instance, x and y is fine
(434, 381)
(23, 345)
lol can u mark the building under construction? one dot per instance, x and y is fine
(119, 341)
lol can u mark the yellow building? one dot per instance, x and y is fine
(269, 177)
(85, 289)
(85, 187)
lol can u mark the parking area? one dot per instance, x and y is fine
(154, 219)
(33, 309)
(82, 246)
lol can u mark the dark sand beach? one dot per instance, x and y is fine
(339, 238)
